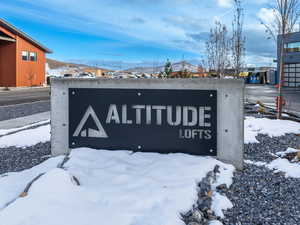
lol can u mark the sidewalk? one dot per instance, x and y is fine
(24, 121)
(4, 89)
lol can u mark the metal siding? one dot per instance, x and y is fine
(30, 73)
(7, 64)
(291, 59)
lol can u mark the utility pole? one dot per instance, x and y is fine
(281, 74)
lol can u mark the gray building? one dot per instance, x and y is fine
(291, 59)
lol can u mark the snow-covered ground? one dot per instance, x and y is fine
(118, 186)
(115, 187)
(285, 166)
(26, 137)
(12, 130)
(13, 184)
(290, 169)
(273, 128)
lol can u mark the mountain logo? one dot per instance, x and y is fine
(89, 132)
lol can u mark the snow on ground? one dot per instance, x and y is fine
(27, 137)
(220, 203)
(285, 166)
(290, 169)
(215, 222)
(7, 131)
(116, 187)
(12, 184)
(274, 128)
(255, 163)
(289, 150)
(280, 165)
(140, 188)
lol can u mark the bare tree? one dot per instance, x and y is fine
(203, 65)
(217, 48)
(238, 39)
(286, 15)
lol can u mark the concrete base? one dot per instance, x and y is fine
(230, 104)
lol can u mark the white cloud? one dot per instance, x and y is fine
(258, 60)
(260, 2)
(116, 21)
(183, 26)
(225, 3)
(266, 15)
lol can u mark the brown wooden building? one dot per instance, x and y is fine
(22, 59)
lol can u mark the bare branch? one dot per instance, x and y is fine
(217, 48)
(238, 39)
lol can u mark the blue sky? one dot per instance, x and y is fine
(134, 31)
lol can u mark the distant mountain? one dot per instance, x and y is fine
(183, 65)
(55, 64)
(123, 65)
(116, 65)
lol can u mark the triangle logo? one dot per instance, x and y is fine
(89, 132)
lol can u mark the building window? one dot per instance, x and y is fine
(292, 75)
(292, 47)
(33, 56)
(25, 55)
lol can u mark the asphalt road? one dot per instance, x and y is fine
(267, 95)
(19, 96)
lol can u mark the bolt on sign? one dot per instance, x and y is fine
(148, 120)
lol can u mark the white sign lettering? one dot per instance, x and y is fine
(188, 116)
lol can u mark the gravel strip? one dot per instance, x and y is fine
(16, 159)
(261, 151)
(261, 196)
(201, 213)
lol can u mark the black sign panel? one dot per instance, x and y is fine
(151, 120)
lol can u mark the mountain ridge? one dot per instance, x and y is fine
(178, 66)
(56, 64)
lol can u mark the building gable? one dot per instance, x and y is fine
(8, 29)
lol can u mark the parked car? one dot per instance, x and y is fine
(85, 75)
